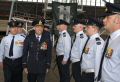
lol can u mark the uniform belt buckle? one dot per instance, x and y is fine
(89, 70)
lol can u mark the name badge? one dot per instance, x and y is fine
(19, 43)
(109, 53)
(86, 50)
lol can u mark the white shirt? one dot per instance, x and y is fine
(38, 37)
(111, 64)
(64, 45)
(17, 48)
(92, 54)
(78, 46)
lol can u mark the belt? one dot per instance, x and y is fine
(88, 71)
(13, 59)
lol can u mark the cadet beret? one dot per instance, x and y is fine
(60, 21)
(20, 24)
(79, 21)
(111, 9)
(95, 22)
(39, 22)
(12, 24)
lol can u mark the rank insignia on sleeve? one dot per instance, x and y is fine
(81, 36)
(109, 53)
(86, 50)
(64, 34)
(98, 43)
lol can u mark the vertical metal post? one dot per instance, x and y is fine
(82, 4)
(10, 15)
(95, 8)
(36, 8)
(45, 8)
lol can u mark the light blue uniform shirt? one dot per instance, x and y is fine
(78, 46)
(111, 63)
(17, 48)
(64, 45)
(92, 54)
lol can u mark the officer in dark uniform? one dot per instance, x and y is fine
(11, 49)
(37, 53)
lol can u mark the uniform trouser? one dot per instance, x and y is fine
(12, 70)
(36, 77)
(87, 77)
(76, 71)
(64, 71)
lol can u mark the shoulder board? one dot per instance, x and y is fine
(64, 34)
(97, 39)
(23, 36)
(81, 36)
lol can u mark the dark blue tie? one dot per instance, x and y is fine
(84, 49)
(11, 47)
(100, 69)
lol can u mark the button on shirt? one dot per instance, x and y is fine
(64, 45)
(17, 48)
(111, 64)
(78, 46)
(92, 54)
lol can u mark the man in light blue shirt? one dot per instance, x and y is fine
(92, 53)
(77, 48)
(109, 70)
(63, 51)
(11, 49)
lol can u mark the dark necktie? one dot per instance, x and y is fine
(11, 47)
(100, 69)
(73, 41)
(38, 39)
(84, 49)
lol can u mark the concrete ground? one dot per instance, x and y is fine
(52, 75)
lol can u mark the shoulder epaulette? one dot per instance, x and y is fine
(64, 34)
(81, 36)
(23, 36)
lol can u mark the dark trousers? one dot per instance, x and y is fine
(76, 71)
(12, 70)
(36, 77)
(64, 71)
(87, 77)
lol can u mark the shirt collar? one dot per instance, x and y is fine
(80, 32)
(63, 31)
(37, 35)
(94, 36)
(12, 35)
(115, 34)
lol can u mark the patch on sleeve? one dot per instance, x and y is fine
(64, 34)
(98, 41)
(81, 36)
